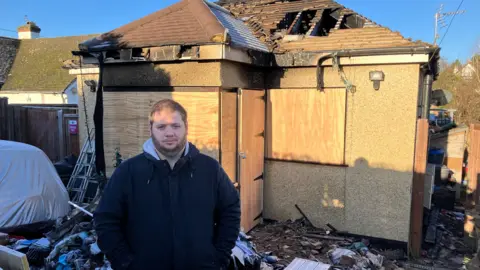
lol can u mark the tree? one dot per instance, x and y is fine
(465, 89)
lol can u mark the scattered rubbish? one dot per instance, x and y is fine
(360, 247)
(337, 254)
(299, 264)
(3, 239)
(326, 237)
(418, 266)
(376, 260)
(304, 216)
(12, 259)
(80, 208)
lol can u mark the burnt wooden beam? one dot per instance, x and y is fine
(167, 53)
(295, 24)
(315, 23)
(339, 21)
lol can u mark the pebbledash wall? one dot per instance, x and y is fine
(371, 194)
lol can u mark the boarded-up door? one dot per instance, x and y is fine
(251, 155)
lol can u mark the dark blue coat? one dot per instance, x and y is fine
(153, 217)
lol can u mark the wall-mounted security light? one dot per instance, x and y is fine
(92, 84)
(376, 77)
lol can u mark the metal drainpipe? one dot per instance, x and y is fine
(320, 70)
(427, 94)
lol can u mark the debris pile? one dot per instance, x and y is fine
(71, 244)
(443, 243)
(291, 240)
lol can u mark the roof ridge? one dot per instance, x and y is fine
(148, 18)
(60, 37)
(206, 19)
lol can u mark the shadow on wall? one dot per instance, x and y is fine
(137, 75)
(362, 200)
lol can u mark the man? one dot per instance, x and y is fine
(170, 207)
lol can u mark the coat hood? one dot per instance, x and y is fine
(149, 150)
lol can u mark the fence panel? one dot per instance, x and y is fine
(43, 126)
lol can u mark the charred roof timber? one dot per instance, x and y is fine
(326, 23)
(318, 22)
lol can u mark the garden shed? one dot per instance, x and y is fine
(305, 103)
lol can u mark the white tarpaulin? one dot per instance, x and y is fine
(30, 189)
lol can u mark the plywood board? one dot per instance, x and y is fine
(306, 125)
(251, 167)
(127, 126)
(456, 166)
(229, 134)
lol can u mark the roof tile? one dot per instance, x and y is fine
(8, 50)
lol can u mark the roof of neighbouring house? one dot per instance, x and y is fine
(8, 50)
(188, 22)
(38, 64)
(314, 25)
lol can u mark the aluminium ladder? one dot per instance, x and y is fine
(84, 178)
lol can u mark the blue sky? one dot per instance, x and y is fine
(412, 18)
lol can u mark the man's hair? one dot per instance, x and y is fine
(170, 105)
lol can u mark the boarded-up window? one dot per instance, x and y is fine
(306, 125)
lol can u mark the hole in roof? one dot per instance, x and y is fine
(112, 55)
(327, 22)
(287, 21)
(352, 21)
(304, 23)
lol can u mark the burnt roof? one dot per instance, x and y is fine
(314, 25)
(265, 25)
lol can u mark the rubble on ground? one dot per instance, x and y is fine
(71, 244)
(290, 240)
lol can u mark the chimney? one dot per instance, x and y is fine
(28, 31)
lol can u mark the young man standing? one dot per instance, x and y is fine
(170, 207)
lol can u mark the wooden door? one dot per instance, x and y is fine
(251, 155)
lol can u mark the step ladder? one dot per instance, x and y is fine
(83, 184)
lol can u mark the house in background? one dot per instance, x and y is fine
(31, 67)
(299, 101)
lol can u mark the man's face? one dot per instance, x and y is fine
(169, 132)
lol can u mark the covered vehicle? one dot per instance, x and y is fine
(31, 191)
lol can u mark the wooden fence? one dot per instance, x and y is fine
(52, 128)
(474, 161)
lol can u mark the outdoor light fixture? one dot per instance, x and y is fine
(376, 77)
